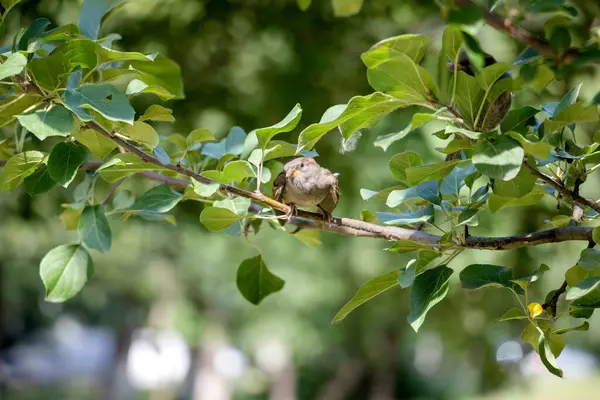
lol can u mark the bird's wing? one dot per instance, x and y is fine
(278, 186)
(331, 201)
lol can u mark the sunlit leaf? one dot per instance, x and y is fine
(217, 218)
(13, 65)
(44, 123)
(499, 160)
(141, 132)
(64, 270)
(264, 135)
(19, 167)
(412, 46)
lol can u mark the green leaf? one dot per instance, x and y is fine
(99, 145)
(513, 313)
(141, 132)
(596, 234)
(50, 73)
(568, 99)
(303, 4)
(577, 312)
(467, 14)
(477, 276)
(452, 184)
(198, 136)
(402, 78)
(238, 170)
(79, 52)
(94, 228)
(452, 41)
(517, 187)
(411, 46)
(583, 288)
(157, 113)
(64, 270)
(233, 143)
(367, 291)
(159, 199)
(105, 99)
(427, 172)
(425, 214)
(545, 351)
(426, 190)
(468, 96)
(401, 162)
(346, 8)
(136, 87)
(13, 65)
(581, 328)
(19, 167)
(578, 112)
(33, 31)
(361, 112)
(124, 165)
(589, 259)
(204, 189)
(519, 119)
(55, 122)
(264, 135)
(11, 107)
(66, 32)
(92, 12)
(255, 281)
(537, 149)
(64, 161)
(161, 72)
(499, 160)
(407, 275)
(456, 145)
(428, 289)
(39, 182)
(217, 218)
(496, 202)
(406, 246)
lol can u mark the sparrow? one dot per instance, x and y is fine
(495, 113)
(306, 184)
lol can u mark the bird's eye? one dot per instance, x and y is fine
(302, 165)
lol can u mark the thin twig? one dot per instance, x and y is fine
(112, 191)
(521, 34)
(561, 189)
(553, 302)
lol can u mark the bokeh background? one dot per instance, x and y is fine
(162, 319)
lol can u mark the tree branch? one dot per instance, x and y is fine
(561, 189)
(352, 227)
(520, 34)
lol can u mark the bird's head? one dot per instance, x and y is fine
(300, 166)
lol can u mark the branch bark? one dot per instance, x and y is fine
(352, 227)
(576, 197)
(521, 34)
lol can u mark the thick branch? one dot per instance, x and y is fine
(561, 189)
(520, 34)
(352, 227)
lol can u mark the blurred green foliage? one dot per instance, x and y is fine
(247, 63)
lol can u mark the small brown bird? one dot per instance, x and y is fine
(304, 183)
(493, 114)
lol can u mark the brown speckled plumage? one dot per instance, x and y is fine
(304, 183)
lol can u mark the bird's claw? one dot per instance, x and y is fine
(291, 213)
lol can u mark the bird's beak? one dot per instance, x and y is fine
(291, 174)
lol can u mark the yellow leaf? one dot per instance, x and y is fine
(535, 309)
